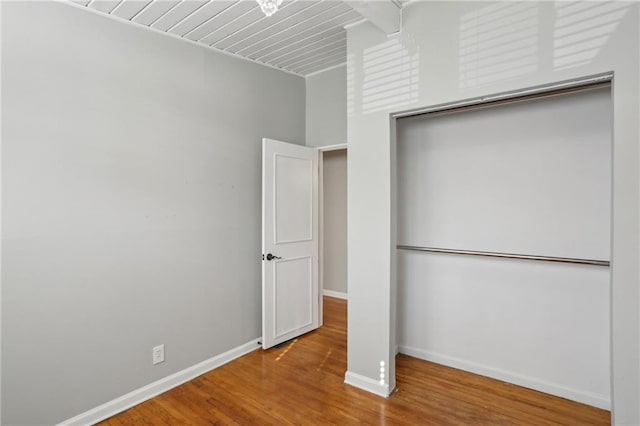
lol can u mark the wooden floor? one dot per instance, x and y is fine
(301, 382)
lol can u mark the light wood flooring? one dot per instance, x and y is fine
(301, 382)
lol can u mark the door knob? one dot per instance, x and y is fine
(271, 257)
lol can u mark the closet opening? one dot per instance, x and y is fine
(503, 238)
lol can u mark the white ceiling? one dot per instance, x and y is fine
(302, 37)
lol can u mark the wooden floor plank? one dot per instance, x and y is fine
(302, 383)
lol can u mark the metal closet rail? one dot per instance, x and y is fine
(506, 255)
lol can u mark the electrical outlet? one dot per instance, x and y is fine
(158, 354)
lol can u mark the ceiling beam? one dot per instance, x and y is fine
(385, 14)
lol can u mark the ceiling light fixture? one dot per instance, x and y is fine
(269, 7)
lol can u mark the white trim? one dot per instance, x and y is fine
(353, 24)
(144, 393)
(172, 35)
(311, 74)
(367, 384)
(336, 294)
(335, 147)
(385, 15)
(0, 226)
(596, 400)
(321, 237)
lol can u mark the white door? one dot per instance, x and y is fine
(290, 294)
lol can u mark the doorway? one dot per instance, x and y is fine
(333, 223)
(304, 213)
(504, 238)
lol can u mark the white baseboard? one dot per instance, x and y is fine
(144, 393)
(596, 400)
(368, 384)
(336, 294)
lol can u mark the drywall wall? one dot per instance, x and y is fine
(131, 204)
(450, 51)
(544, 326)
(326, 124)
(326, 103)
(493, 179)
(334, 198)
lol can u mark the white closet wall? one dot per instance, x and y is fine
(532, 178)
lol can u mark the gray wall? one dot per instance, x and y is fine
(334, 212)
(326, 124)
(442, 56)
(131, 205)
(327, 107)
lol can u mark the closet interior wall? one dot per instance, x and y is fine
(530, 177)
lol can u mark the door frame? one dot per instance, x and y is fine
(321, 151)
(518, 95)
